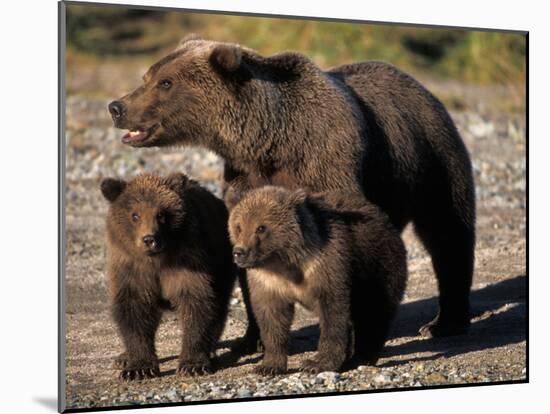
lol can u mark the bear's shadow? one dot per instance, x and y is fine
(498, 319)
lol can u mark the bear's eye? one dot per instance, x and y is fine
(165, 83)
(238, 228)
(161, 217)
(135, 216)
(260, 230)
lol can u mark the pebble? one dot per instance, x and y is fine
(172, 395)
(382, 379)
(244, 393)
(329, 376)
(435, 378)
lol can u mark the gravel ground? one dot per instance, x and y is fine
(494, 349)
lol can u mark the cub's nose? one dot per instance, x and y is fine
(150, 241)
(117, 109)
(239, 253)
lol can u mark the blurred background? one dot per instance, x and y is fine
(102, 40)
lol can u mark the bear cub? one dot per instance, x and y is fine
(167, 249)
(333, 253)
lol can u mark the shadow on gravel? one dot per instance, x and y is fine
(498, 319)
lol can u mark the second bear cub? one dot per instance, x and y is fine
(335, 254)
(167, 249)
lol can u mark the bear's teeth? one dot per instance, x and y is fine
(134, 133)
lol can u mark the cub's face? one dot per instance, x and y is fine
(179, 97)
(145, 213)
(264, 225)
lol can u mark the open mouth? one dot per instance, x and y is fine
(247, 263)
(138, 135)
(152, 251)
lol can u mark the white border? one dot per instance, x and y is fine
(28, 206)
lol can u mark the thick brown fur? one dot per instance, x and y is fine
(366, 128)
(185, 266)
(333, 253)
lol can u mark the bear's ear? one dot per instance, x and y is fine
(298, 197)
(189, 37)
(232, 196)
(177, 181)
(111, 188)
(226, 57)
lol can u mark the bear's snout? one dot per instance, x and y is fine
(240, 255)
(152, 243)
(117, 109)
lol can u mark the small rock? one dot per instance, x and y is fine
(329, 377)
(419, 367)
(172, 395)
(244, 393)
(382, 379)
(435, 378)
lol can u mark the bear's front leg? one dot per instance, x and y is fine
(137, 319)
(335, 326)
(274, 316)
(250, 343)
(198, 324)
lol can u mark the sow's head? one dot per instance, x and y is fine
(185, 97)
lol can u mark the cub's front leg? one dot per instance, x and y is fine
(197, 313)
(335, 332)
(274, 315)
(250, 343)
(137, 317)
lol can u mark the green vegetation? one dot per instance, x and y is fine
(470, 56)
(113, 35)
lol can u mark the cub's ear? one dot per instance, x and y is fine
(111, 188)
(191, 36)
(231, 196)
(298, 197)
(226, 57)
(177, 181)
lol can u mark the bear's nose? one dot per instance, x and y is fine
(117, 109)
(239, 253)
(150, 241)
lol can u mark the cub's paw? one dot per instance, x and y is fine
(269, 370)
(314, 366)
(138, 370)
(121, 361)
(441, 328)
(192, 368)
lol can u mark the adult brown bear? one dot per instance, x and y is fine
(281, 120)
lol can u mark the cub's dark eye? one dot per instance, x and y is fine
(260, 230)
(161, 217)
(165, 83)
(238, 228)
(135, 216)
